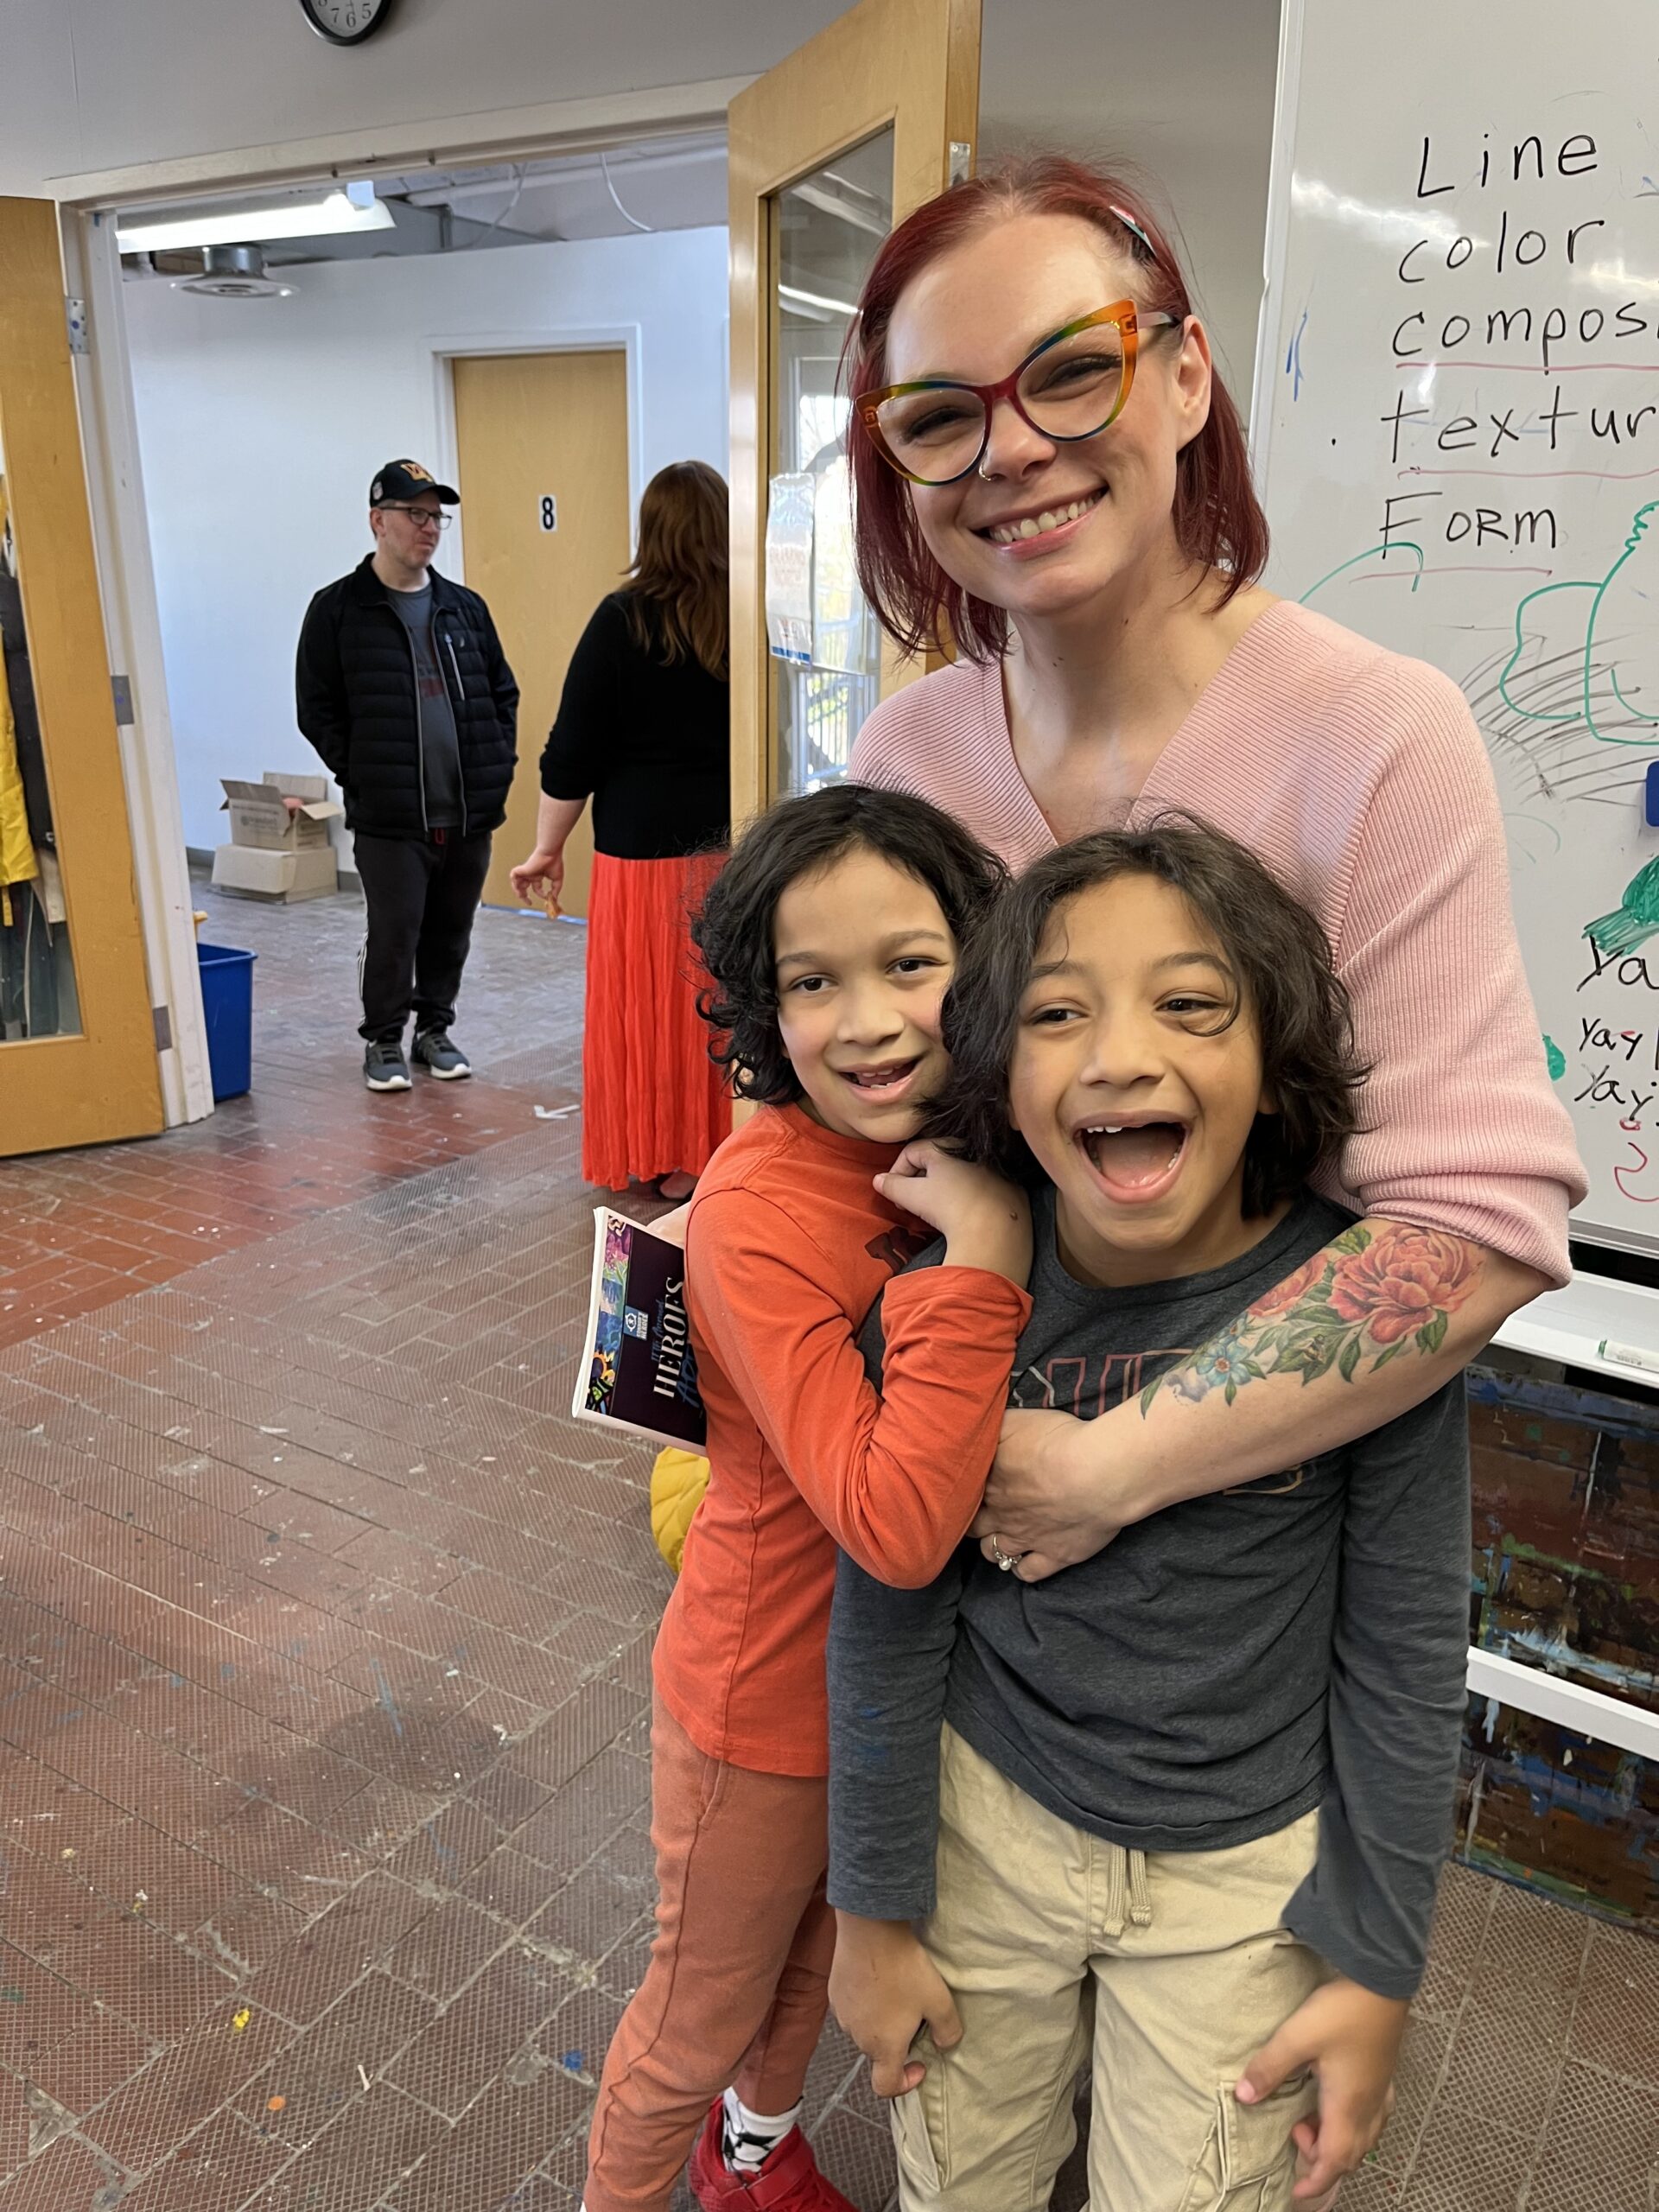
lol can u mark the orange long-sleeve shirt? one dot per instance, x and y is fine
(787, 1248)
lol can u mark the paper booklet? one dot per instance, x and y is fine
(638, 1370)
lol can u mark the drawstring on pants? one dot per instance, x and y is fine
(1129, 1894)
(1140, 1891)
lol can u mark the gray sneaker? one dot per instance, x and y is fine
(384, 1065)
(437, 1052)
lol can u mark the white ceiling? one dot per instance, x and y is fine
(1181, 88)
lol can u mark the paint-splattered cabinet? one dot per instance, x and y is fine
(1566, 1577)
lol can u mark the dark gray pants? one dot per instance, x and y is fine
(422, 894)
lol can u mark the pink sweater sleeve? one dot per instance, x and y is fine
(1463, 1132)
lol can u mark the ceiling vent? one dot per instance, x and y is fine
(234, 272)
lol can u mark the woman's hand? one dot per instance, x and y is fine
(985, 1222)
(541, 877)
(1043, 1503)
(883, 1987)
(1350, 2037)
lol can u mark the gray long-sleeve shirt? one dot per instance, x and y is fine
(1215, 1673)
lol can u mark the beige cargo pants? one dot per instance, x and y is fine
(1173, 1967)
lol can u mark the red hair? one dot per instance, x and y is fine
(1219, 520)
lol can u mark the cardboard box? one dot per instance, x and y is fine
(262, 819)
(251, 872)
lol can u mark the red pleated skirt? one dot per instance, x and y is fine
(653, 1103)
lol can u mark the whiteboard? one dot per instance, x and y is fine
(1456, 429)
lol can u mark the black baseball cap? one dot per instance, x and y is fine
(406, 480)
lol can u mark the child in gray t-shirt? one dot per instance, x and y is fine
(1201, 1785)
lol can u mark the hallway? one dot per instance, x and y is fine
(326, 1638)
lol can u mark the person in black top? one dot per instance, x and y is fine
(644, 729)
(404, 689)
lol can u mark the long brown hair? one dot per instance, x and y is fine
(678, 590)
(1219, 520)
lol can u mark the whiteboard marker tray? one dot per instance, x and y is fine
(1571, 1325)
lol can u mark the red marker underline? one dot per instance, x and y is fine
(1533, 368)
(1449, 568)
(1533, 475)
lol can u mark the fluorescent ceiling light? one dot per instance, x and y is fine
(816, 300)
(352, 208)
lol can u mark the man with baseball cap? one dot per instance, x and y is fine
(404, 689)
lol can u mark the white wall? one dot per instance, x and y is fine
(261, 421)
(1182, 89)
(90, 85)
(1183, 86)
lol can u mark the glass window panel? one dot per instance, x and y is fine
(828, 229)
(37, 971)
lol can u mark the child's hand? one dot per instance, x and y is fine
(985, 1222)
(672, 1225)
(883, 1987)
(1351, 2039)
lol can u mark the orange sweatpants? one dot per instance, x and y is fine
(737, 1986)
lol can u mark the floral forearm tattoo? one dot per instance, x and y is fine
(1370, 1296)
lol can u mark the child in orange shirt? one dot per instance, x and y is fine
(831, 936)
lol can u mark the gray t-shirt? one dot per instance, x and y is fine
(1215, 1673)
(440, 745)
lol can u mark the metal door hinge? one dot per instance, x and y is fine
(961, 160)
(121, 687)
(163, 1016)
(74, 317)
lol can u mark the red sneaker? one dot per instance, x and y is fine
(788, 2181)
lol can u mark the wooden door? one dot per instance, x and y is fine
(77, 1049)
(844, 139)
(542, 440)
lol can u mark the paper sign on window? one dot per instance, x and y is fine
(788, 568)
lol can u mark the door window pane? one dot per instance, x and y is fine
(827, 228)
(37, 971)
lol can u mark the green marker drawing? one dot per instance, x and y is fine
(1640, 523)
(1633, 921)
(1556, 1059)
(1371, 553)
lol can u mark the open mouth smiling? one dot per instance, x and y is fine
(1136, 1159)
(889, 1081)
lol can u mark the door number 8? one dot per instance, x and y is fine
(549, 512)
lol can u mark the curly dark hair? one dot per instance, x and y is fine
(1276, 948)
(799, 838)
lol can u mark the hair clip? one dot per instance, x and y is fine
(1135, 231)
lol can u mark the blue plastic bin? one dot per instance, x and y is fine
(228, 1002)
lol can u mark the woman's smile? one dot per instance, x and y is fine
(1039, 529)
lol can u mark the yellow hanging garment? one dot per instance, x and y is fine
(677, 1482)
(17, 861)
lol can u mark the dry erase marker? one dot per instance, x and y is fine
(1628, 1355)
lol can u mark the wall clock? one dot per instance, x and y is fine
(344, 22)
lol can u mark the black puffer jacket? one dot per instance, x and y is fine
(354, 684)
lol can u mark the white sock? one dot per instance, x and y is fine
(749, 2139)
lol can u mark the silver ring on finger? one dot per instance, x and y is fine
(1006, 1560)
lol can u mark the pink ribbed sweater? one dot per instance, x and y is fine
(1360, 779)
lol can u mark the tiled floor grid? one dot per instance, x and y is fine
(324, 1667)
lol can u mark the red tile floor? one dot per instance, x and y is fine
(323, 1693)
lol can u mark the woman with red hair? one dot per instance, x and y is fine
(1052, 485)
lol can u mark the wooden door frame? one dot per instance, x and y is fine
(103, 1081)
(844, 86)
(86, 203)
(624, 339)
(590, 338)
